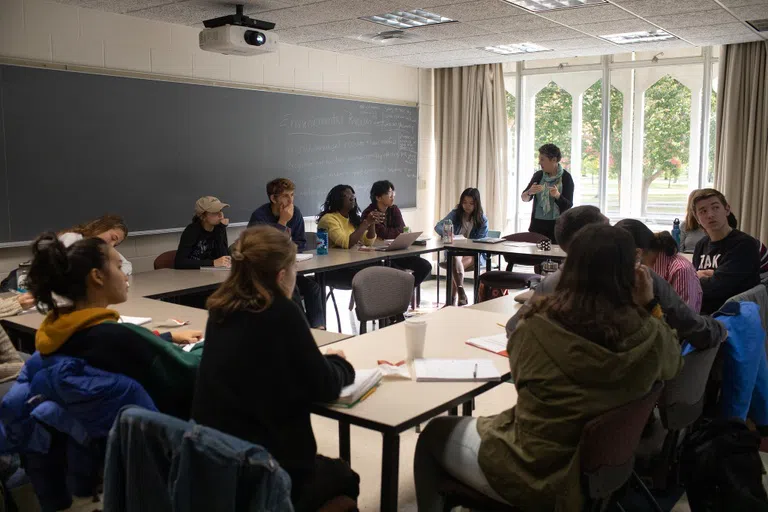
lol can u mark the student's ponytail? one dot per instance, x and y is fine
(63, 271)
(665, 243)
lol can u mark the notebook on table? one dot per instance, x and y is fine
(496, 343)
(456, 370)
(365, 381)
(303, 257)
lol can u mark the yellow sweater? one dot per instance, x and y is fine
(339, 228)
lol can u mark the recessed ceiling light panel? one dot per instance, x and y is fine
(512, 49)
(551, 5)
(408, 19)
(645, 36)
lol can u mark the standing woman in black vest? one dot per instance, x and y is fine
(551, 189)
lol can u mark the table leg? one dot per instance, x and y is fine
(488, 260)
(390, 467)
(449, 278)
(454, 411)
(437, 277)
(477, 275)
(320, 279)
(344, 442)
(466, 408)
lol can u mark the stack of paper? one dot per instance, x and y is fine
(304, 257)
(520, 244)
(365, 380)
(188, 347)
(496, 343)
(135, 320)
(461, 370)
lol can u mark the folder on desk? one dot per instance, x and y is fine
(135, 320)
(365, 381)
(496, 343)
(456, 370)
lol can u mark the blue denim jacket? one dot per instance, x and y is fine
(158, 462)
(477, 232)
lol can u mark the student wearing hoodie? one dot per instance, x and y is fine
(88, 274)
(597, 343)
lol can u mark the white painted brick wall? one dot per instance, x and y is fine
(65, 34)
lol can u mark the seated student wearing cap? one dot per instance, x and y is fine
(281, 213)
(204, 242)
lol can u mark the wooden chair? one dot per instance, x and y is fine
(166, 260)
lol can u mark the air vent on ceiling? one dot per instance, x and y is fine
(759, 25)
(390, 37)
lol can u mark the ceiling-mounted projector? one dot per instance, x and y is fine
(238, 34)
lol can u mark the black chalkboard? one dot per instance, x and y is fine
(79, 145)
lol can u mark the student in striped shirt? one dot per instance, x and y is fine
(659, 251)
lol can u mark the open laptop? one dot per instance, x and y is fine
(403, 241)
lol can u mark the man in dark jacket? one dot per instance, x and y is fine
(700, 331)
(281, 213)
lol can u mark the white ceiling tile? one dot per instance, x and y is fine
(343, 44)
(659, 45)
(662, 7)
(409, 49)
(119, 6)
(588, 14)
(438, 3)
(693, 19)
(332, 30)
(725, 39)
(615, 27)
(478, 10)
(447, 31)
(751, 12)
(580, 42)
(535, 36)
(525, 22)
(192, 12)
(726, 29)
(740, 3)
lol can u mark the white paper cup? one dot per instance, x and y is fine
(415, 336)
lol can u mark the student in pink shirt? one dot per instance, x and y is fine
(659, 252)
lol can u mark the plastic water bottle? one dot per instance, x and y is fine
(322, 242)
(676, 231)
(21, 277)
(448, 232)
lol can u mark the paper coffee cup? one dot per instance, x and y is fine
(415, 337)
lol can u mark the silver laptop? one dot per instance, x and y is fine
(403, 241)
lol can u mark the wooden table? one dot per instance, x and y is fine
(159, 311)
(475, 249)
(505, 305)
(399, 405)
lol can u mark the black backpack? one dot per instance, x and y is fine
(721, 468)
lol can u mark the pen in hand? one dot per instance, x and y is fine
(474, 374)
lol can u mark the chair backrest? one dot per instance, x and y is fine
(682, 401)
(381, 292)
(311, 240)
(608, 444)
(526, 236)
(494, 234)
(166, 260)
(759, 295)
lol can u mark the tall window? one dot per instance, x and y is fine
(666, 148)
(655, 155)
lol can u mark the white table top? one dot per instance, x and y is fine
(398, 401)
(160, 311)
(505, 305)
(502, 248)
